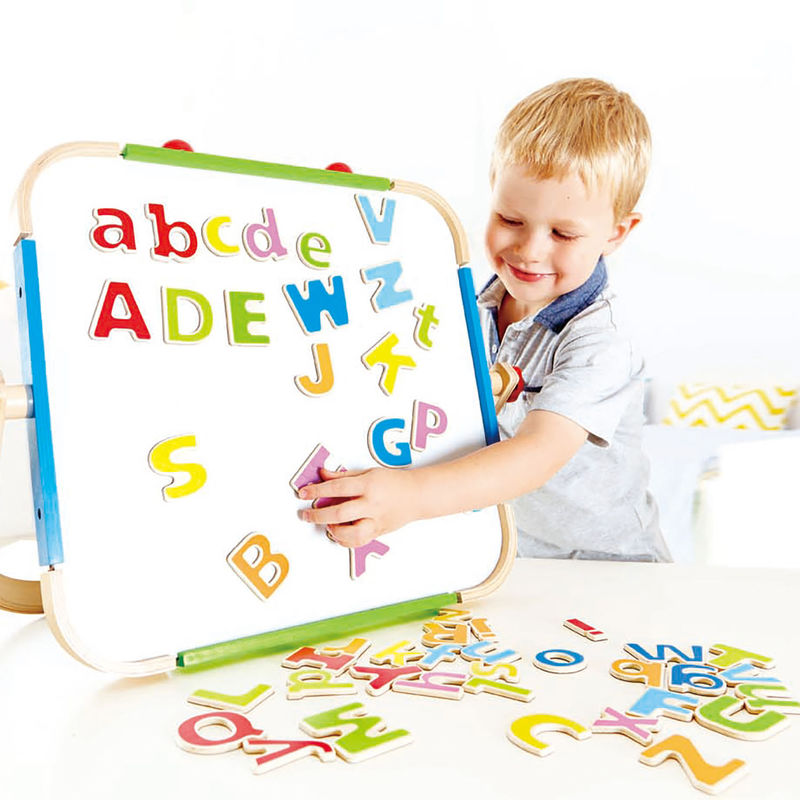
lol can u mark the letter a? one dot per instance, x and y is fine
(98, 235)
(104, 321)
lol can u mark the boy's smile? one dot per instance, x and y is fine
(544, 237)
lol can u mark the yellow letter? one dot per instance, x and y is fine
(160, 460)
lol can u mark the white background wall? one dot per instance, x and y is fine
(416, 90)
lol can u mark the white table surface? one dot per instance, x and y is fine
(69, 732)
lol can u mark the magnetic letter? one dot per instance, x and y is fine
(243, 703)
(398, 654)
(324, 379)
(425, 321)
(636, 728)
(275, 250)
(355, 647)
(200, 306)
(695, 678)
(648, 673)
(318, 300)
(376, 439)
(361, 736)
(704, 776)
(499, 688)
(716, 716)
(239, 727)
(309, 472)
(559, 661)
(382, 353)
(251, 557)
(160, 461)
(240, 319)
(104, 321)
(446, 685)
(665, 652)
(315, 683)
(656, 702)
(488, 653)
(453, 633)
(442, 652)
(304, 250)
(731, 656)
(427, 420)
(382, 678)
(98, 235)
(162, 231)
(387, 276)
(212, 240)
(274, 753)
(762, 695)
(523, 732)
(311, 657)
(358, 556)
(379, 228)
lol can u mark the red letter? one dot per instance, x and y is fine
(98, 237)
(104, 321)
(161, 233)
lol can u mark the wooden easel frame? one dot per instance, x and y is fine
(48, 594)
(21, 596)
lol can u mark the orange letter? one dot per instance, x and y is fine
(704, 776)
(249, 569)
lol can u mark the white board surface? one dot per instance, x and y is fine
(146, 576)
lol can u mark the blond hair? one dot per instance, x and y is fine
(583, 125)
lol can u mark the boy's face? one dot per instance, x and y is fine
(544, 237)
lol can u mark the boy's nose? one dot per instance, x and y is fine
(532, 248)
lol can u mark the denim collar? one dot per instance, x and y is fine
(558, 313)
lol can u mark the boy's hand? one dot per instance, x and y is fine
(373, 502)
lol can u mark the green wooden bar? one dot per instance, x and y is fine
(243, 166)
(263, 644)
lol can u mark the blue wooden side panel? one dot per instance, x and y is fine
(43, 472)
(479, 361)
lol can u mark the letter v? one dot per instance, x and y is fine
(378, 228)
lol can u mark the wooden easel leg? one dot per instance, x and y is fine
(23, 597)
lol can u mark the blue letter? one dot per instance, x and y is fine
(309, 310)
(387, 276)
(377, 444)
(379, 230)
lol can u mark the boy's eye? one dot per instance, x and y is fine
(508, 221)
(566, 237)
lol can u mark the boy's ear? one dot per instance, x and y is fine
(621, 231)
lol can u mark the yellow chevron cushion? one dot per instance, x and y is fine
(747, 407)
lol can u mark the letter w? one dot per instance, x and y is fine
(318, 300)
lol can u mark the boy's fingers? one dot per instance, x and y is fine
(336, 487)
(333, 515)
(327, 474)
(354, 535)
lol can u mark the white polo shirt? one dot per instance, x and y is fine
(576, 362)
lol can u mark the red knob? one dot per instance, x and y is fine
(178, 144)
(339, 166)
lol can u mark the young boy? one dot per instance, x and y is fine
(568, 168)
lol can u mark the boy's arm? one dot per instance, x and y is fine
(382, 500)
